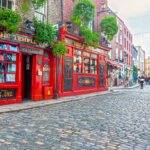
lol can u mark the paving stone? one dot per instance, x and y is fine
(118, 121)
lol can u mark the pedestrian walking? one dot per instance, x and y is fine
(142, 82)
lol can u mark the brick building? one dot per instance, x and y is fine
(147, 67)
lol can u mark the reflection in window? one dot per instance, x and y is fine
(93, 66)
(2, 80)
(2, 67)
(10, 77)
(86, 65)
(13, 48)
(2, 56)
(11, 68)
(2, 46)
(46, 55)
(46, 72)
(11, 57)
(77, 64)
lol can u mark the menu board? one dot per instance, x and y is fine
(7, 93)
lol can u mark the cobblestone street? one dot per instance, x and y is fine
(118, 121)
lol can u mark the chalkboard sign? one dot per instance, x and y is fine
(7, 93)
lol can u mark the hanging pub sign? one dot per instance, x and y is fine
(21, 39)
(86, 81)
(7, 93)
(31, 51)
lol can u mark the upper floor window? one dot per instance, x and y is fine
(41, 13)
(6, 4)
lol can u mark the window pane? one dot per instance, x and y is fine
(10, 77)
(46, 72)
(86, 65)
(39, 16)
(4, 3)
(11, 57)
(86, 54)
(77, 64)
(3, 46)
(46, 55)
(11, 67)
(2, 67)
(9, 4)
(2, 56)
(2, 78)
(93, 66)
(13, 48)
(77, 52)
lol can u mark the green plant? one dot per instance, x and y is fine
(45, 33)
(83, 13)
(59, 48)
(10, 20)
(25, 4)
(91, 38)
(38, 3)
(135, 69)
(109, 26)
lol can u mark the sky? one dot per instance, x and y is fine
(136, 15)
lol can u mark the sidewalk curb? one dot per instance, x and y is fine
(31, 105)
(37, 104)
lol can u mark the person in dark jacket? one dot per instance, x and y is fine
(142, 82)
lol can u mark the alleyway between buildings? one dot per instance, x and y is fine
(117, 121)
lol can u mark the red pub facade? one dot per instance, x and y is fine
(28, 70)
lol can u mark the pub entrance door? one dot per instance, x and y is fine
(67, 74)
(27, 76)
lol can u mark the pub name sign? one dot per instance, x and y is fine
(20, 38)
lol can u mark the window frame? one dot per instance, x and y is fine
(1, 4)
(90, 57)
(6, 62)
(43, 13)
(47, 61)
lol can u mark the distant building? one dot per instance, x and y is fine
(140, 61)
(147, 67)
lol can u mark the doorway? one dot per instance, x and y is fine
(27, 77)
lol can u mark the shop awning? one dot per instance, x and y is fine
(114, 63)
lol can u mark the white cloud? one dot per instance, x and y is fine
(136, 15)
(130, 8)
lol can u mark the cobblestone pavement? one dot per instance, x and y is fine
(118, 121)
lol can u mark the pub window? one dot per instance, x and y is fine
(85, 62)
(93, 66)
(40, 13)
(77, 64)
(6, 4)
(8, 59)
(46, 68)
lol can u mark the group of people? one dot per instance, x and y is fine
(142, 79)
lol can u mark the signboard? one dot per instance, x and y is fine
(7, 93)
(21, 39)
(86, 81)
(31, 51)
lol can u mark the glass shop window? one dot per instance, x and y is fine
(77, 64)
(85, 62)
(46, 68)
(8, 61)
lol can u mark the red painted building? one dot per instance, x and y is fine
(28, 71)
